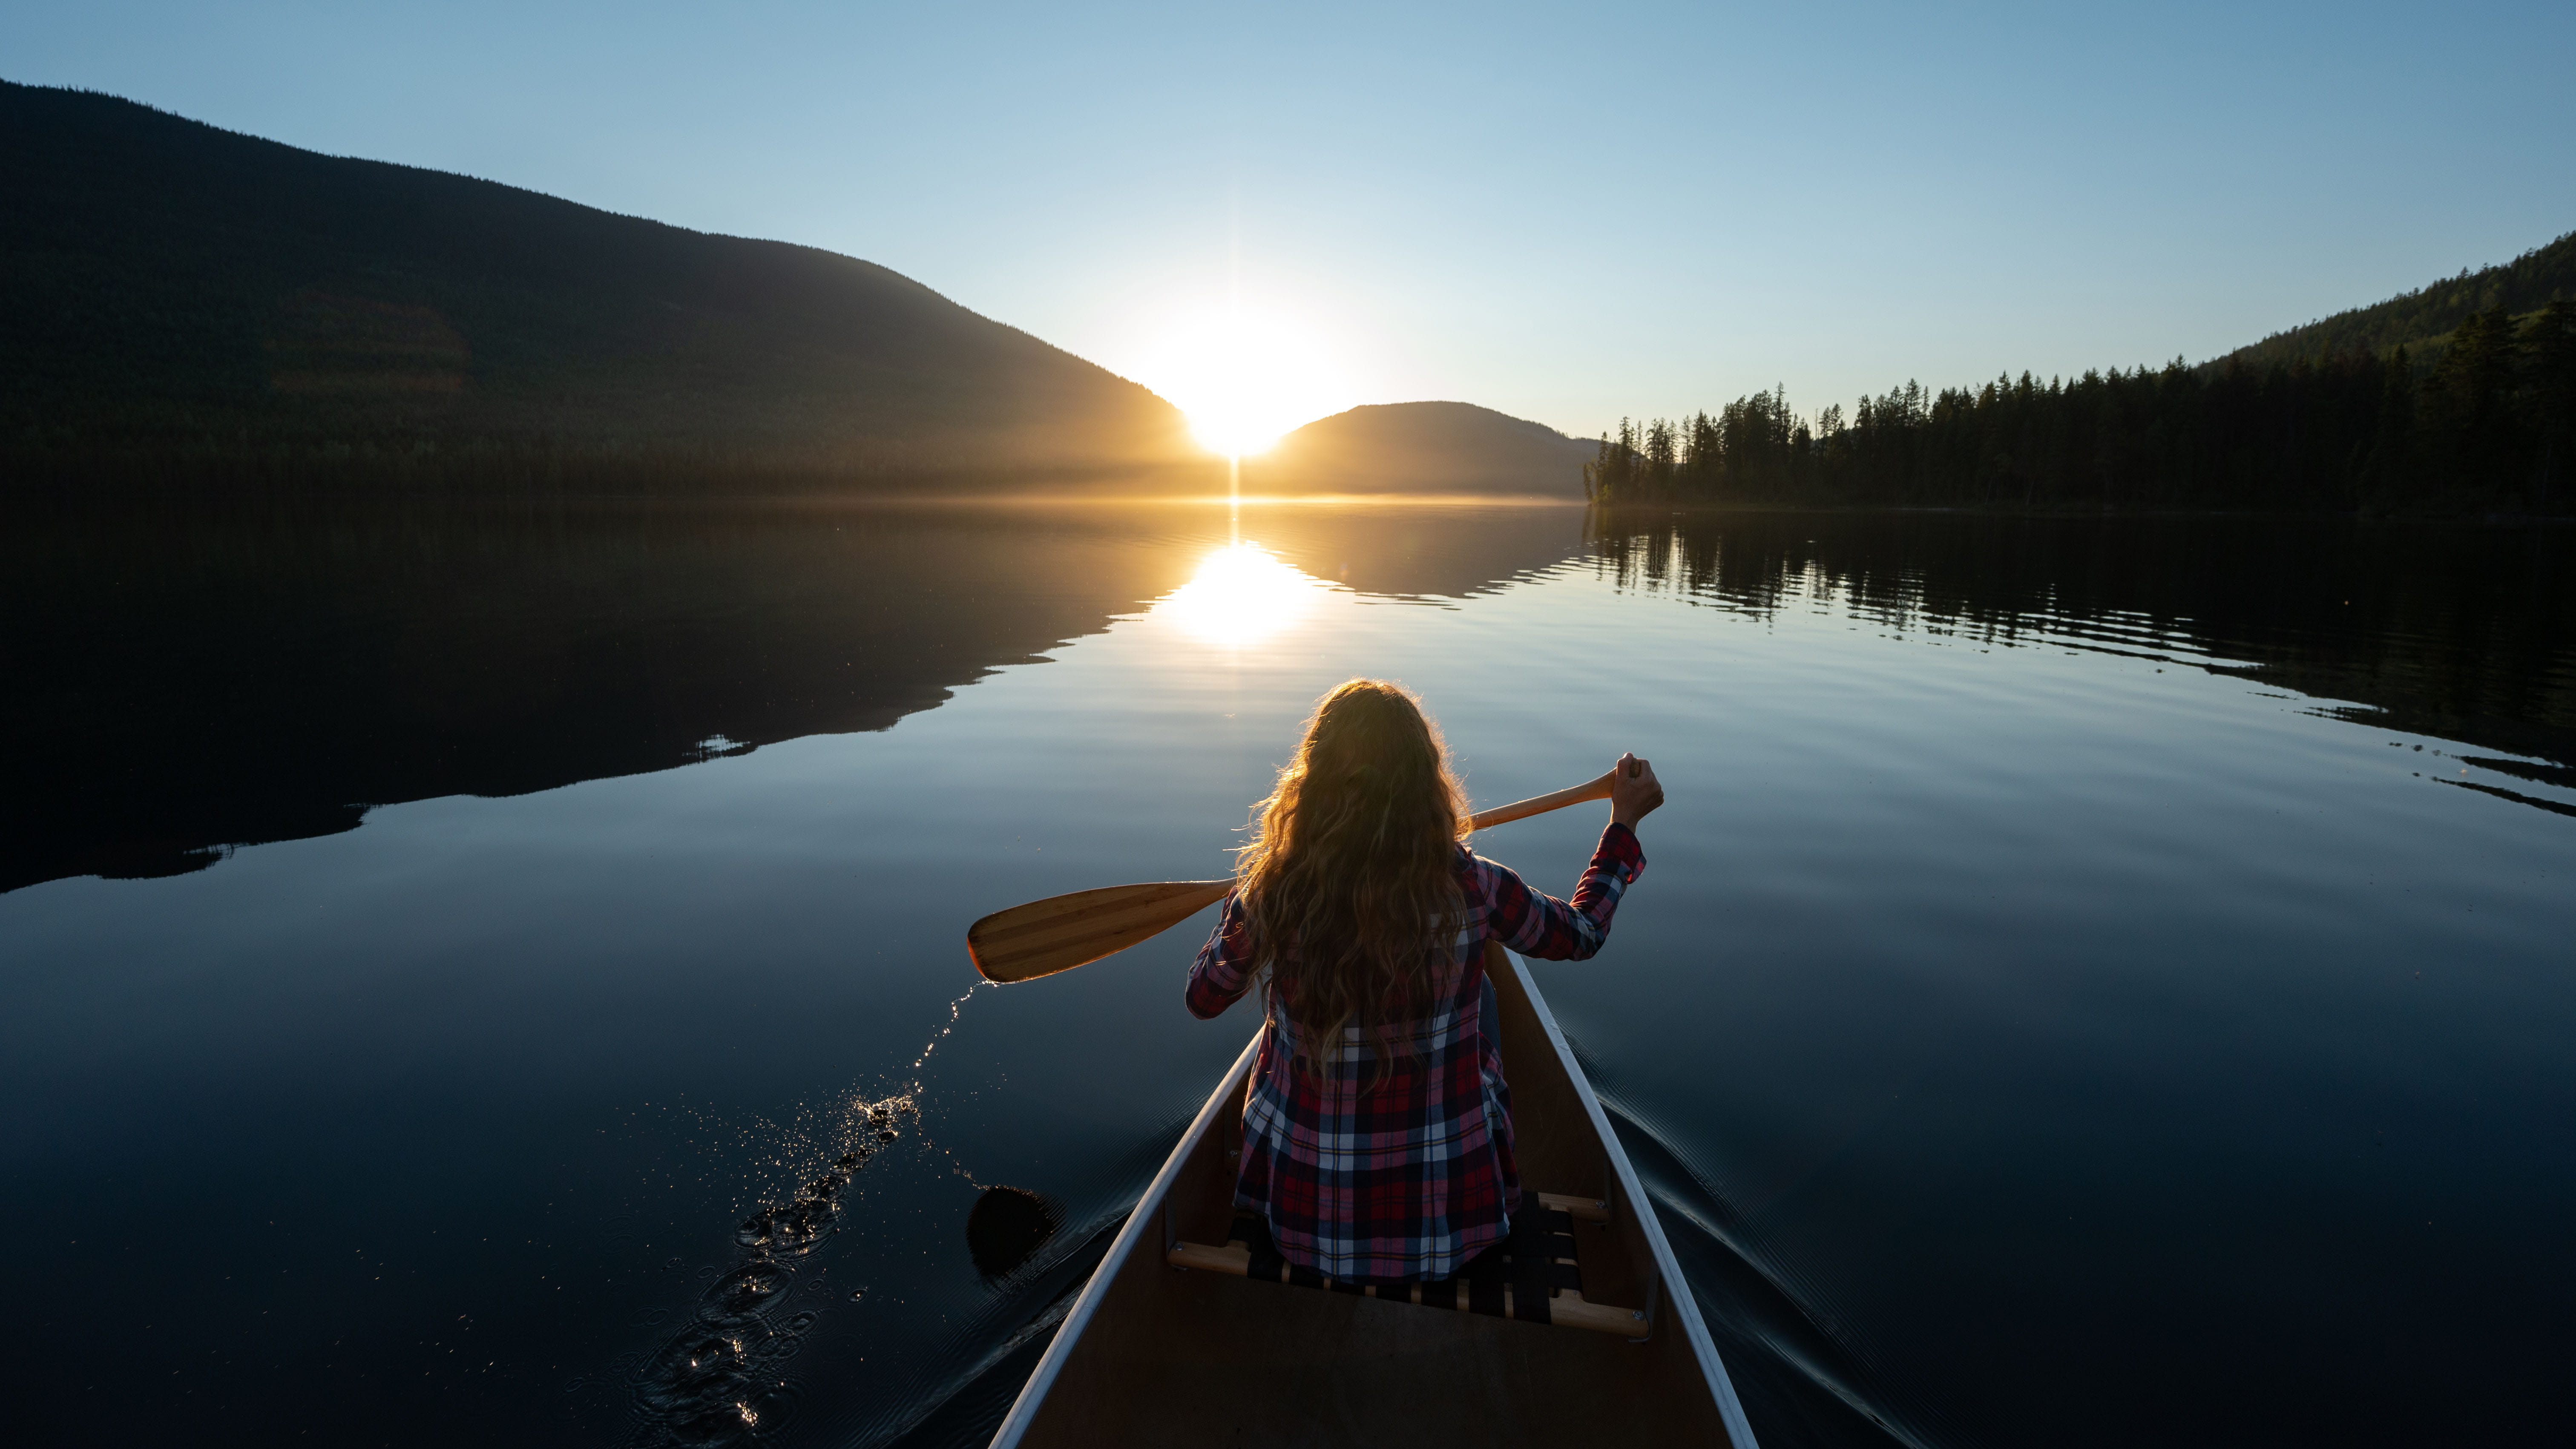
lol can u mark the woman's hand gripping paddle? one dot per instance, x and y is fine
(1062, 932)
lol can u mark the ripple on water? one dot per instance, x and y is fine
(721, 1378)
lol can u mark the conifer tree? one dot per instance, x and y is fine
(2550, 385)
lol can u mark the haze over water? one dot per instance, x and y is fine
(2095, 981)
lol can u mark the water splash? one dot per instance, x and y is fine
(718, 1380)
(955, 1008)
(795, 1227)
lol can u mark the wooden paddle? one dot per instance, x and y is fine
(1062, 932)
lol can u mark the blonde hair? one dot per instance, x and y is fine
(1349, 888)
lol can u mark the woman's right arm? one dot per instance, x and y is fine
(1224, 967)
(1535, 923)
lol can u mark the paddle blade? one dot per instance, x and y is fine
(1062, 932)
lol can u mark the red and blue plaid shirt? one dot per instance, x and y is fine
(1412, 1177)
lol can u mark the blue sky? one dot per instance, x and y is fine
(1568, 213)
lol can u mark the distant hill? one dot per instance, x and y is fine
(1422, 447)
(180, 297)
(2427, 315)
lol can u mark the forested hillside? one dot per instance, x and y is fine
(2485, 421)
(2423, 320)
(181, 301)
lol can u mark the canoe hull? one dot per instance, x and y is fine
(1153, 1355)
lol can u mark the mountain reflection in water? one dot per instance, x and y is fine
(2056, 1009)
(187, 681)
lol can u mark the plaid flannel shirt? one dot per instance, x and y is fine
(1414, 1177)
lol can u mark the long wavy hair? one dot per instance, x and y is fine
(1349, 887)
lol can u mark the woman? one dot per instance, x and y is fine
(1377, 1127)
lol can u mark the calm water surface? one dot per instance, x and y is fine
(2101, 982)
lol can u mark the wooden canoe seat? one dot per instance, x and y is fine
(1532, 1275)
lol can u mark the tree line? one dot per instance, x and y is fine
(2485, 420)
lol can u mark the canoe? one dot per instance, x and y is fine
(1171, 1343)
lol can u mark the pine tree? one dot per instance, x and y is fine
(2550, 386)
(2465, 397)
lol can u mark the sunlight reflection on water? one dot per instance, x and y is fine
(1241, 595)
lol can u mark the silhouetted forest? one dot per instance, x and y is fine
(2482, 416)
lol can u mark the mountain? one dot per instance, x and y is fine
(2428, 314)
(184, 300)
(1422, 447)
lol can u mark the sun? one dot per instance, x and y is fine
(1245, 375)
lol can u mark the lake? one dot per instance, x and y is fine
(495, 973)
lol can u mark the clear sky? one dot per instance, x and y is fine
(1570, 213)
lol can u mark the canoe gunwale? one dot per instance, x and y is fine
(1150, 1215)
(1679, 1302)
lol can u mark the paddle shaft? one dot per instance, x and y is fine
(1059, 933)
(1541, 804)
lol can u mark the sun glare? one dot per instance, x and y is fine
(1241, 595)
(1244, 376)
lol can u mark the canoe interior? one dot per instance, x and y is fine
(1164, 1356)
